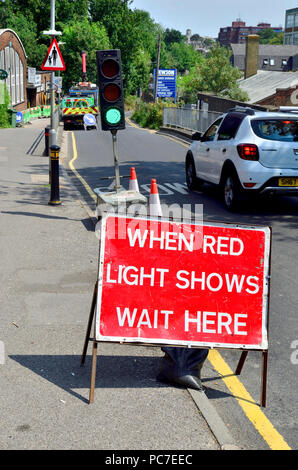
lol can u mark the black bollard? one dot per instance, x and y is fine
(54, 159)
(47, 140)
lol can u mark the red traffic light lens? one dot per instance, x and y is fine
(111, 92)
(110, 68)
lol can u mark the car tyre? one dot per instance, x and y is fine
(231, 191)
(190, 173)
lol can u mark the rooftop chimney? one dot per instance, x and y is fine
(251, 55)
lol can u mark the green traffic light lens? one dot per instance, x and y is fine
(113, 116)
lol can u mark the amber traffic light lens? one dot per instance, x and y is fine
(112, 92)
(110, 68)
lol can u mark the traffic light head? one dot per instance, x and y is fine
(111, 97)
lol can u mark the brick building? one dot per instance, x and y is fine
(13, 59)
(237, 33)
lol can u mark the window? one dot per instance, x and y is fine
(284, 62)
(230, 126)
(21, 81)
(209, 135)
(265, 62)
(272, 62)
(7, 68)
(17, 77)
(12, 76)
(11, 62)
(2, 59)
(290, 21)
(282, 130)
(288, 39)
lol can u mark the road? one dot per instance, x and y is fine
(236, 399)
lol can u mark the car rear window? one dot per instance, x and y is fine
(283, 130)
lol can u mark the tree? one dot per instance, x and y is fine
(139, 72)
(26, 30)
(183, 56)
(214, 74)
(82, 36)
(269, 36)
(217, 73)
(171, 36)
(278, 39)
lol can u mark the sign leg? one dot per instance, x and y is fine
(264, 378)
(93, 372)
(91, 316)
(241, 362)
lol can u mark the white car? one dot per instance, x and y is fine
(246, 152)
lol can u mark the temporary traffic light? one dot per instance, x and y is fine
(110, 90)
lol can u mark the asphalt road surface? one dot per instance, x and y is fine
(237, 402)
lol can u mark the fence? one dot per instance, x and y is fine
(39, 112)
(191, 119)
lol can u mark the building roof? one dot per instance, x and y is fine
(264, 84)
(270, 50)
(11, 30)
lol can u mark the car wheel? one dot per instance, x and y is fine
(190, 173)
(231, 192)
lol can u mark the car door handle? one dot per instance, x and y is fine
(224, 150)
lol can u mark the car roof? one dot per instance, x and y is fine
(252, 114)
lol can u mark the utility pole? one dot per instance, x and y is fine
(53, 34)
(53, 130)
(157, 68)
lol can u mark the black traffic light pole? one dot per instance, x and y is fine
(116, 161)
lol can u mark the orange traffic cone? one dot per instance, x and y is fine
(154, 202)
(133, 182)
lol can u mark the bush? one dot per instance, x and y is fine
(5, 119)
(130, 102)
(150, 114)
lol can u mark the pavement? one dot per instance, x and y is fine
(49, 262)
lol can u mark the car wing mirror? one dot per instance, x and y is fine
(196, 136)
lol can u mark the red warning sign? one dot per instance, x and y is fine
(164, 282)
(53, 60)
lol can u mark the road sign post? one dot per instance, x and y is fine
(162, 282)
(53, 55)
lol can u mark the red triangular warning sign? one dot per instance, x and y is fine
(54, 60)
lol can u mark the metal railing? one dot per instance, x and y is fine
(190, 119)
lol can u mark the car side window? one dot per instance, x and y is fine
(230, 126)
(210, 134)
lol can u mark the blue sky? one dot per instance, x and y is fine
(205, 18)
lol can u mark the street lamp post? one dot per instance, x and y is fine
(53, 34)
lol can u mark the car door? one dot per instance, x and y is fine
(205, 152)
(225, 145)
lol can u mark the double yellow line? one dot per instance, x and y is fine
(77, 174)
(251, 409)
